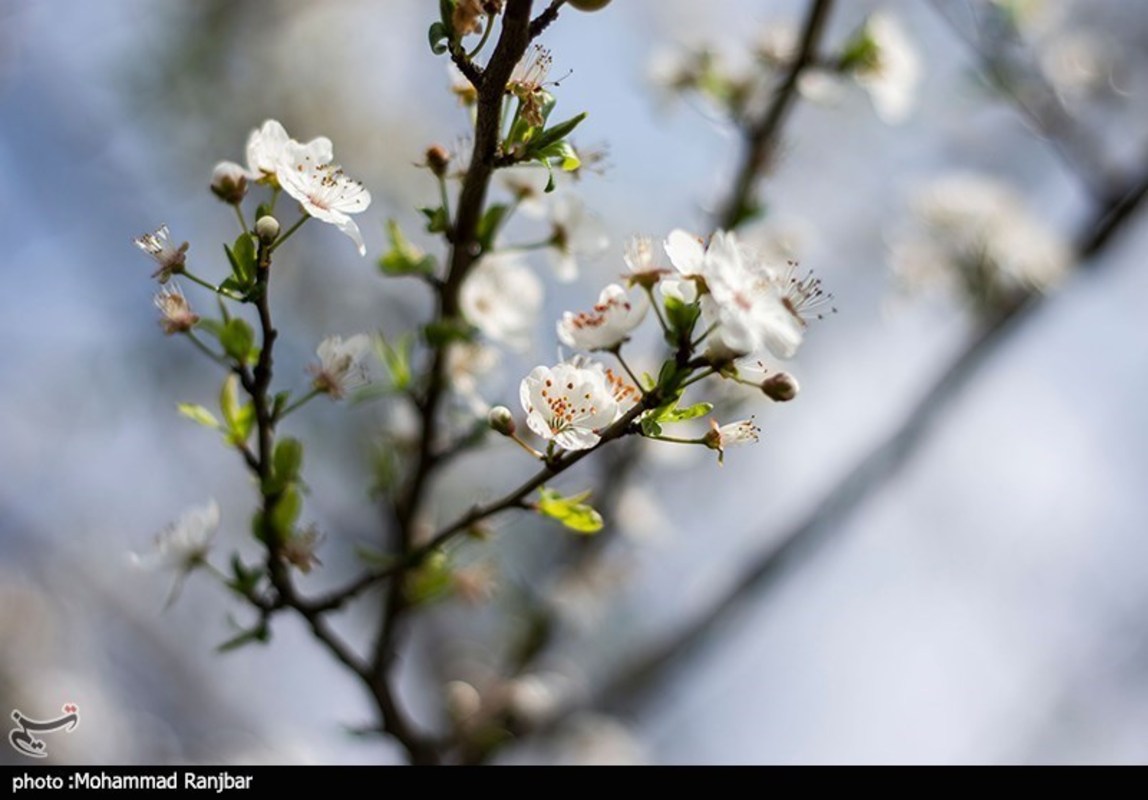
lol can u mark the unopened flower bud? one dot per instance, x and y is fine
(438, 158)
(229, 182)
(589, 5)
(781, 387)
(502, 420)
(267, 229)
(462, 700)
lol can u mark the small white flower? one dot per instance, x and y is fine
(576, 234)
(171, 259)
(183, 545)
(177, 314)
(753, 305)
(568, 404)
(687, 255)
(466, 363)
(731, 435)
(607, 324)
(341, 364)
(527, 185)
(501, 297)
(267, 150)
(323, 189)
(891, 76)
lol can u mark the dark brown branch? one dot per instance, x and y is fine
(761, 137)
(543, 20)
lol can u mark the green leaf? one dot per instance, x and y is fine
(561, 154)
(438, 35)
(286, 512)
(212, 326)
(684, 414)
(261, 633)
(682, 318)
(245, 258)
(245, 580)
(489, 224)
(404, 258)
(238, 340)
(429, 581)
(279, 403)
(242, 425)
(436, 218)
(670, 380)
(229, 400)
(197, 413)
(442, 332)
(555, 133)
(397, 359)
(570, 511)
(287, 460)
(650, 426)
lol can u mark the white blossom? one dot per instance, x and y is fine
(750, 305)
(342, 364)
(893, 72)
(607, 324)
(501, 297)
(267, 150)
(687, 255)
(163, 250)
(975, 232)
(735, 433)
(466, 363)
(568, 404)
(177, 316)
(576, 234)
(183, 545)
(323, 189)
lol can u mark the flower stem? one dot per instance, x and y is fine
(299, 403)
(207, 351)
(657, 310)
(694, 344)
(485, 36)
(701, 376)
(617, 351)
(676, 440)
(526, 447)
(239, 216)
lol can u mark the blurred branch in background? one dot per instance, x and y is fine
(1118, 200)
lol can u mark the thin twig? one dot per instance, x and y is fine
(761, 137)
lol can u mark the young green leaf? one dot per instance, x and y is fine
(238, 340)
(570, 511)
(197, 413)
(404, 258)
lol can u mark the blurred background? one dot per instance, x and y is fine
(986, 604)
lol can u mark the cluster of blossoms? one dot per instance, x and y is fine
(975, 234)
(880, 58)
(743, 306)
